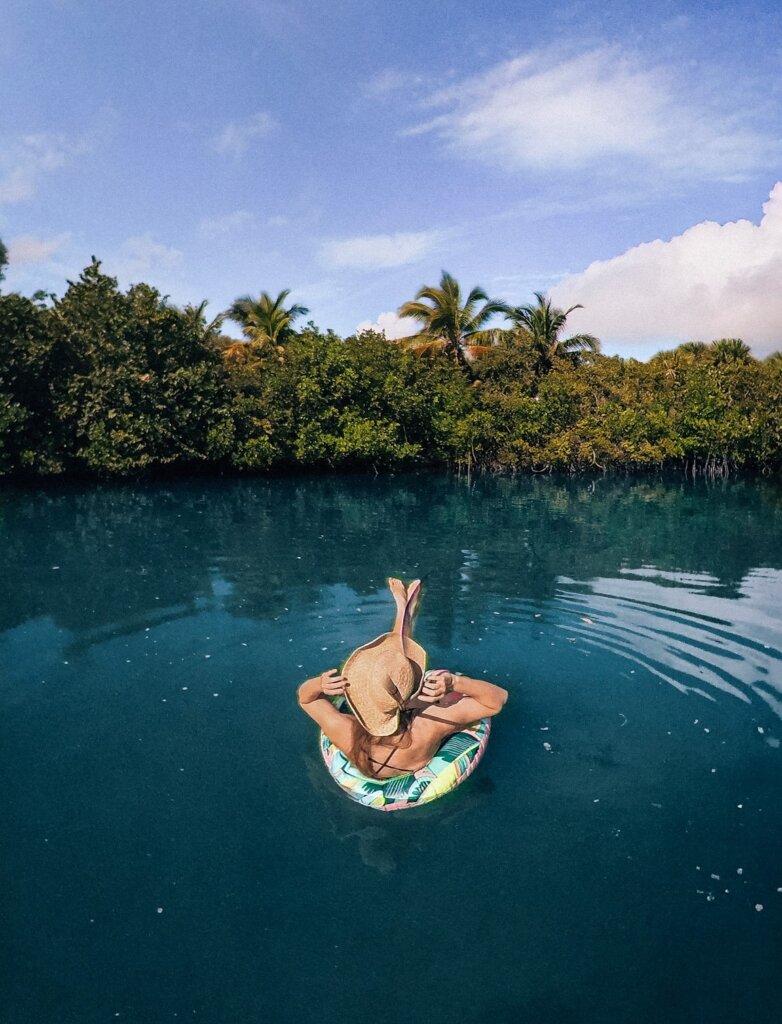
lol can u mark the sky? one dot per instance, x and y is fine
(621, 156)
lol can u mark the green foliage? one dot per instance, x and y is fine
(117, 383)
(29, 366)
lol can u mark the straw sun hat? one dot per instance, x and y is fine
(382, 675)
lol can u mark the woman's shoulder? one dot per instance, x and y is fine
(441, 716)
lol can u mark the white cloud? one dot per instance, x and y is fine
(237, 136)
(712, 281)
(388, 81)
(602, 110)
(212, 227)
(392, 325)
(374, 252)
(27, 249)
(28, 158)
(141, 256)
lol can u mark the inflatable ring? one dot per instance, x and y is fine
(454, 761)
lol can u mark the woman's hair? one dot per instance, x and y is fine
(362, 744)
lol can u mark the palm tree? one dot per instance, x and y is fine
(672, 362)
(454, 327)
(730, 350)
(265, 320)
(208, 331)
(694, 350)
(541, 324)
(775, 359)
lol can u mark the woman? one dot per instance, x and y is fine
(401, 715)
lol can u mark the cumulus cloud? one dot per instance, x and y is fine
(213, 227)
(392, 325)
(140, 256)
(27, 159)
(28, 249)
(712, 281)
(236, 137)
(377, 252)
(602, 110)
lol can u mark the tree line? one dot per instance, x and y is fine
(116, 383)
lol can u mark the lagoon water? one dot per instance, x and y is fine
(174, 850)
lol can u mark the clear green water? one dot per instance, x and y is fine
(173, 848)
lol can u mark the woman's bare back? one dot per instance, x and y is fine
(429, 729)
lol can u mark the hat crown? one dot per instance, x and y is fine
(381, 676)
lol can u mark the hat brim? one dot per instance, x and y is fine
(374, 719)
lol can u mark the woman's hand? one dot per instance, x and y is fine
(327, 684)
(332, 683)
(435, 687)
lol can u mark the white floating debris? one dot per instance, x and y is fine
(55, 567)
(544, 728)
(207, 655)
(739, 806)
(585, 618)
(547, 746)
(160, 910)
(596, 800)
(713, 771)
(710, 898)
(758, 907)
(215, 694)
(243, 644)
(184, 687)
(715, 877)
(739, 871)
(761, 730)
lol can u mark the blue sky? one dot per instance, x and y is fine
(619, 155)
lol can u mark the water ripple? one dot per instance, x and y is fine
(679, 629)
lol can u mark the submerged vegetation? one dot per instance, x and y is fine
(117, 383)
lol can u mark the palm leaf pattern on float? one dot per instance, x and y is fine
(453, 762)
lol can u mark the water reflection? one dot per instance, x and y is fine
(114, 556)
(681, 578)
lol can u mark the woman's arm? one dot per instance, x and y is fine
(459, 700)
(488, 695)
(314, 700)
